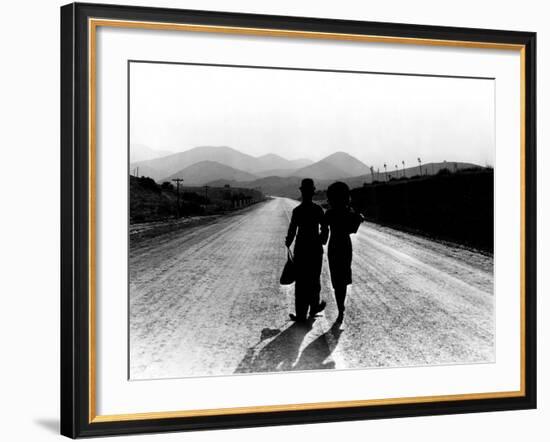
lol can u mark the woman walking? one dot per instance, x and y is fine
(342, 221)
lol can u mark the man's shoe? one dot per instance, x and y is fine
(318, 309)
(295, 318)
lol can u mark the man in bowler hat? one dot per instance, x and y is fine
(308, 227)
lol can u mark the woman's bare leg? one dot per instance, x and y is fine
(340, 295)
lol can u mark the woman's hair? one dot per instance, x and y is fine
(338, 194)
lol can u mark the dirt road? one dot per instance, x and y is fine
(206, 301)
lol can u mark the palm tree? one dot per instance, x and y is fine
(420, 165)
(403, 162)
(386, 171)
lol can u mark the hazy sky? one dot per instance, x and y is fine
(303, 114)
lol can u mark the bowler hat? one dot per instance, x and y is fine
(307, 184)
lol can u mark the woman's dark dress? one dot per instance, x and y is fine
(342, 223)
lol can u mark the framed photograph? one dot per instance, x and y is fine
(274, 220)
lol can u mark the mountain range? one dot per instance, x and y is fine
(289, 186)
(169, 165)
(275, 175)
(245, 167)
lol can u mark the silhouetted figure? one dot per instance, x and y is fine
(307, 225)
(342, 221)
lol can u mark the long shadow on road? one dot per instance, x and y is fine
(282, 353)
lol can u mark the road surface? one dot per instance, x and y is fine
(205, 300)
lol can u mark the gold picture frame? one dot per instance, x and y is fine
(79, 54)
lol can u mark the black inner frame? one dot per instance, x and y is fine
(75, 219)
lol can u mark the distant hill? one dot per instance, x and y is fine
(336, 166)
(273, 185)
(277, 175)
(140, 152)
(169, 165)
(271, 161)
(409, 172)
(289, 186)
(276, 172)
(427, 169)
(204, 172)
(301, 162)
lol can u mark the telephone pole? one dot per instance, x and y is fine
(205, 196)
(178, 181)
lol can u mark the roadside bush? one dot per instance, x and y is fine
(166, 185)
(149, 184)
(453, 206)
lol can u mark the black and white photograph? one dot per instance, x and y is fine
(275, 221)
(288, 219)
